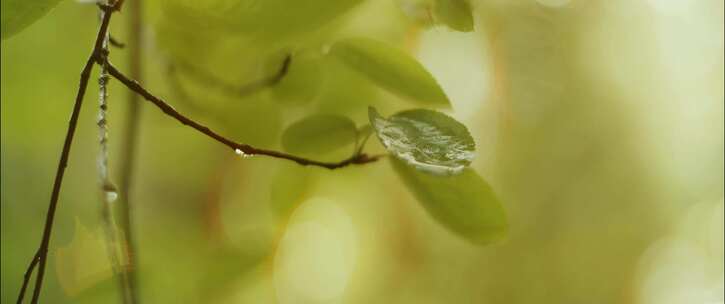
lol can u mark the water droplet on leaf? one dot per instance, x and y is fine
(427, 140)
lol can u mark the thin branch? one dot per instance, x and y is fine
(129, 143)
(26, 278)
(116, 43)
(108, 191)
(113, 240)
(244, 149)
(99, 56)
(359, 146)
(102, 121)
(42, 254)
(174, 74)
(209, 80)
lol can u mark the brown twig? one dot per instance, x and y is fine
(42, 254)
(116, 43)
(99, 56)
(244, 149)
(26, 278)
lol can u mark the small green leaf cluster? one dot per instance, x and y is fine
(336, 71)
(430, 151)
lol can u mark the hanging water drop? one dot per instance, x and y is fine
(110, 192)
(242, 154)
(111, 196)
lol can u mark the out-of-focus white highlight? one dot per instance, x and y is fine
(670, 6)
(316, 256)
(667, 71)
(686, 267)
(457, 62)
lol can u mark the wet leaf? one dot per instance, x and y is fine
(463, 203)
(391, 69)
(428, 140)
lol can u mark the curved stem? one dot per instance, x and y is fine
(209, 80)
(98, 55)
(239, 148)
(42, 254)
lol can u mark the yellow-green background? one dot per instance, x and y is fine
(598, 123)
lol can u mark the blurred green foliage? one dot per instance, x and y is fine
(18, 14)
(391, 69)
(599, 124)
(317, 135)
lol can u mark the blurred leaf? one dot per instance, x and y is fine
(16, 15)
(84, 262)
(303, 80)
(346, 91)
(418, 11)
(269, 19)
(100, 292)
(428, 140)
(217, 277)
(254, 121)
(288, 187)
(318, 134)
(463, 203)
(391, 69)
(456, 14)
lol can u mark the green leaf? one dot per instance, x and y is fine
(303, 81)
(344, 84)
(318, 134)
(427, 140)
(256, 122)
(264, 20)
(83, 262)
(456, 14)
(463, 203)
(16, 15)
(391, 69)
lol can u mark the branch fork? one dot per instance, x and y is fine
(99, 55)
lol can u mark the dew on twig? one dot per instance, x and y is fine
(110, 192)
(242, 154)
